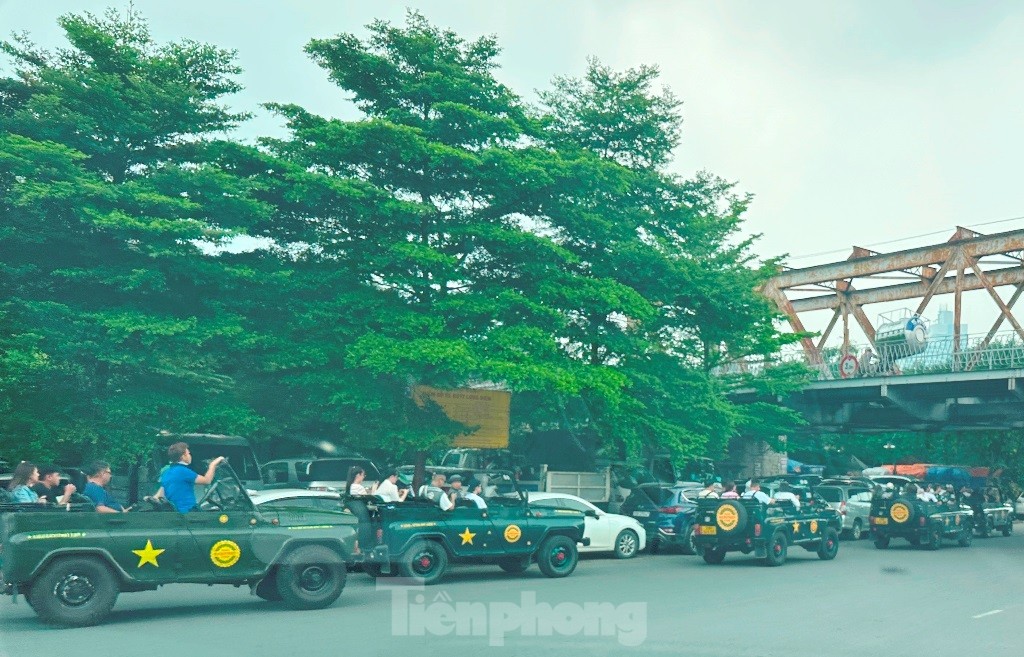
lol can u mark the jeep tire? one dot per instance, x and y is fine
(557, 556)
(934, 538)
(881, 542)
(713, 556)
(776, 549)
(424, 561)
(741, 518)
(829, 547)
(75, 591)
(311, 577)
(966, 537)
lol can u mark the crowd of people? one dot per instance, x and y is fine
(40, 484)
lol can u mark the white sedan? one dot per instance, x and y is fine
(608, 532)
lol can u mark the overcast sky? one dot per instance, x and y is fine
(876, 123)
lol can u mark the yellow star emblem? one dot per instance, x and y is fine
(148, 554)
(467, 536)
(796, 526)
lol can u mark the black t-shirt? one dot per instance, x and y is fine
(42, 490)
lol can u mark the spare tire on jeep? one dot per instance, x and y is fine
(730, 517)
(902, 512)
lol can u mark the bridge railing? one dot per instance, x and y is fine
(1004, 351)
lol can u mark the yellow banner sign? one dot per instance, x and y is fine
(488, 410)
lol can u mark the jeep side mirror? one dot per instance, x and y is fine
(590, 513)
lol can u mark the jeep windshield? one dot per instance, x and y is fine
(337, 469)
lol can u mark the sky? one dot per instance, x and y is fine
(882, 124)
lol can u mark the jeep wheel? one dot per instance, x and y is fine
(713, 556)
(983, 528)
(77, 591)
(557, 556)
(626, 544)
(966, 537)
(829, 547)
(934, 538)
(1008, 528)
(424, 561)
(311, 577)
(858, 530)
(267, 589)
(776, 549)
(689, 543)
(514, 565)
(881, 542)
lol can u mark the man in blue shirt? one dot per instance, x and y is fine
(179, 480)
(97, 475)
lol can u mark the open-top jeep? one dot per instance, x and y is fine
(921, 523)
(767, 530)
(71, 566)
(992, 517)
(417, 539)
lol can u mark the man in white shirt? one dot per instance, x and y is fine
(473, 494)
(707, 491)
(786, 494)
(753, 492)
(388, 491)
(926, 495)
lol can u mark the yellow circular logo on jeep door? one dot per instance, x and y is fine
(727, 518)
(899, 512)
(814, 526)
(513, 533)
(225, 554)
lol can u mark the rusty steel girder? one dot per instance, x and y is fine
(998, 278)
(977, 247)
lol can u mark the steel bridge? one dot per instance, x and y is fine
(901, 380)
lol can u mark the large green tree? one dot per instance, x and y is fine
(111, 201)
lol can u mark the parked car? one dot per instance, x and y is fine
(332, 474)
(297, 498)
(286, 472)
(655, 506)
(853, 502)
(1018, 507)
(608, 532)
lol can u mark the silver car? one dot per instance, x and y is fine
(852, 502)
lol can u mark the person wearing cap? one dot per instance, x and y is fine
(455, 492)
(473, 494)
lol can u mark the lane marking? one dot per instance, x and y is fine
(989, 613)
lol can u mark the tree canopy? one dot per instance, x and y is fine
(454, 234)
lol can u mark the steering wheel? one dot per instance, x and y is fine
(214, 499)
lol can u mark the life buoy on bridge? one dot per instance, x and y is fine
(848, 366)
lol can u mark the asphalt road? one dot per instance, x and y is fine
(902, 601)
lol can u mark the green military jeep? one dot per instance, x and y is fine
(71, 562)
(921, 523)
(418, 540)
(767, 530)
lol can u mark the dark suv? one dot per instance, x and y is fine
(666, 513)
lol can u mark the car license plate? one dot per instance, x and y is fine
(881, 521)
(708, 529)
(641, 514)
